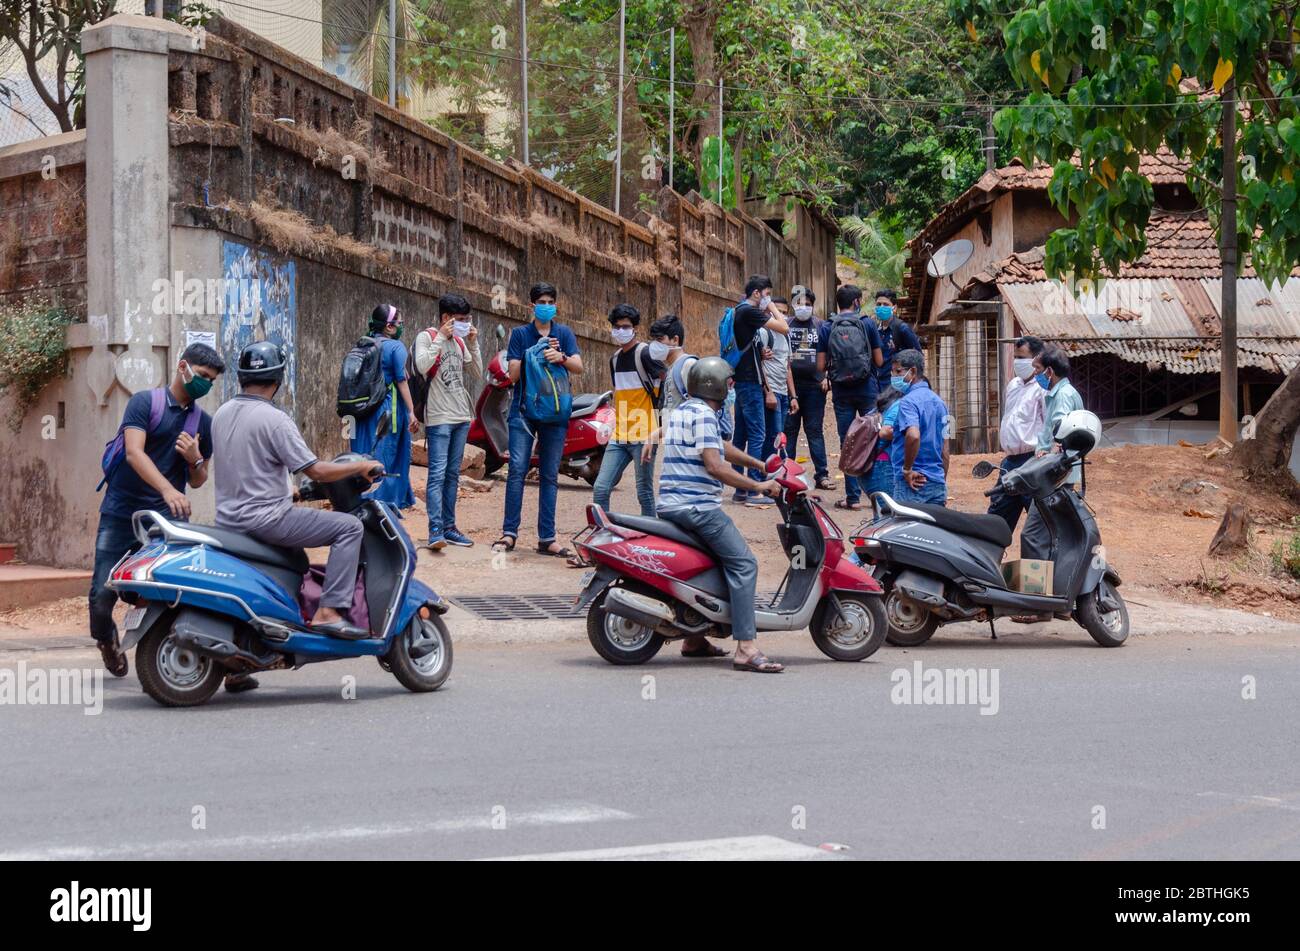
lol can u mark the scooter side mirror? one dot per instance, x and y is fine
(779, 444)
(982, 469)
(500, 332)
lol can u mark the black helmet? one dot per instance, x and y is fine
(261, 362)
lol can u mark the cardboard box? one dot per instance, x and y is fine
(1029, 576)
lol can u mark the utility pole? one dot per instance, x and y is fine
(618, 122)
(720, 190)
(990, 140)
(523, 80)
(672, 99)
(392, 53)
(1228, 254)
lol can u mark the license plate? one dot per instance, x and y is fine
(133, 618)
(582, 585)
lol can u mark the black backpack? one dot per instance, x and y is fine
(361, 380)
(847, 348)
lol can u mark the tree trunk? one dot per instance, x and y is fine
(701, 17)
(1268, 451)
(1234, 531)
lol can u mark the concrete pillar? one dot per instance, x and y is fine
(127, 195)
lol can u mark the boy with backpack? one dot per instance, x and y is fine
(637, 382)
(163, 444)
(541, 356)
(736, 340)
(808, 401)
(848, 353)
(442, 357)
(895, 335)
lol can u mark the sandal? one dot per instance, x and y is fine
(1031, 618)
(544, 548)
(708, 650)
(825, 483)
(504, 543)
(758, 664)
(578, 560)
(849, 506)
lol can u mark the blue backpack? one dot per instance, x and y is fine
(115, 448)
(548, 397)
(727, 339)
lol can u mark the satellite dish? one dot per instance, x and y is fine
(949, 258)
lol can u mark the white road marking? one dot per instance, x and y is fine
(556, 815)
(1272, 802)
(750, 848)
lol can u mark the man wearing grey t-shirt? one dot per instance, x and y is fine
(260, 449)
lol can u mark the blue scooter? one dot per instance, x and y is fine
(209, 601)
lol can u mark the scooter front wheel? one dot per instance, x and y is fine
(420, 657)
(619, 640)
(173, 675)
(1108, 628)
(853, 633)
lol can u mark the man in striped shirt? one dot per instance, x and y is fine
(697, 462)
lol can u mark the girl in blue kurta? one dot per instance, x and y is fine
(386, 434)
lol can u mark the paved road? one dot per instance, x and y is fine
(569, 755)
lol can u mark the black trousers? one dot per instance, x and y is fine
(1010, 507)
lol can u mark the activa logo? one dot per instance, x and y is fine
(77, 904)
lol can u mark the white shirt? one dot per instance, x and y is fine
(1023, 416)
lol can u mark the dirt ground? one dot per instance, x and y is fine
(1158, 508)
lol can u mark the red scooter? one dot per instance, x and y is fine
(590, 425)
(656, 582)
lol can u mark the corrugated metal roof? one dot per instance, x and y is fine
(1163, 321)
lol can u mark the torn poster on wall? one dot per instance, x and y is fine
(261, 304)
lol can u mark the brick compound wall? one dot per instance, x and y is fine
(355, 204)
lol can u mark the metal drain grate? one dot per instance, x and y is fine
(538, 607)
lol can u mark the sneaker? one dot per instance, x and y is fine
(740, 498)
(760, 501)
(436, 544)
(457, 538)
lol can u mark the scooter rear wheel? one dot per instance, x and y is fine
(909, 624)
(854, 636)
(619, 640)
(172, 675)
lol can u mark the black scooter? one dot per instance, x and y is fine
(938, 565)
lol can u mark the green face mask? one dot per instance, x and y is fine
(197, 387)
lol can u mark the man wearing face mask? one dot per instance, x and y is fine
(444, 356)
(1022, 424)
(562, 351)
(754, 313)
(895, 334)
(167, 444)
(922, 429)
(808, 401)
(637, 380)
(1052, 371)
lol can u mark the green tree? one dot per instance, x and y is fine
(1111, 80)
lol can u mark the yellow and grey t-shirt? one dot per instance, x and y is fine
(635, 393)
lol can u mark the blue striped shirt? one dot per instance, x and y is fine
(684, 482)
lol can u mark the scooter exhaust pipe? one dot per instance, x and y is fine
(646, 611)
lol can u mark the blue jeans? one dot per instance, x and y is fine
(750, 418)
(113, 540)
(618, 456)
(880, 478)
(739, 565)
(847, 409)
(812, 414)
(550, 449)
(932, 493)
(773, 423)
(446, 443)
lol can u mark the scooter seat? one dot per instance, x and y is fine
(249, 548)
(989, 528)
(657, 526)
(587, 403)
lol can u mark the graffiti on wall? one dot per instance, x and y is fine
(261, 304)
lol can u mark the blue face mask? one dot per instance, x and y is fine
(544, 312)
(900, 383)
(884, 312)
(1042, 381)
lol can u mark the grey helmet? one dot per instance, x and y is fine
(709, 377)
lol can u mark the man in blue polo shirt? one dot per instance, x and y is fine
(922, 428)
(160, 460)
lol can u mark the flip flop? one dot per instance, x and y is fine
(578, 561)
(849, 506)
(758, 664)
(504, 543)
(708, 650)
(563, 552)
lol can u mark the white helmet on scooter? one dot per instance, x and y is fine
(1079, 430)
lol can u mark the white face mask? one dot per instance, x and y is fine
(461, 328)
(803, 312)
(622, 335)
(1023, 367)
(659, 351)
